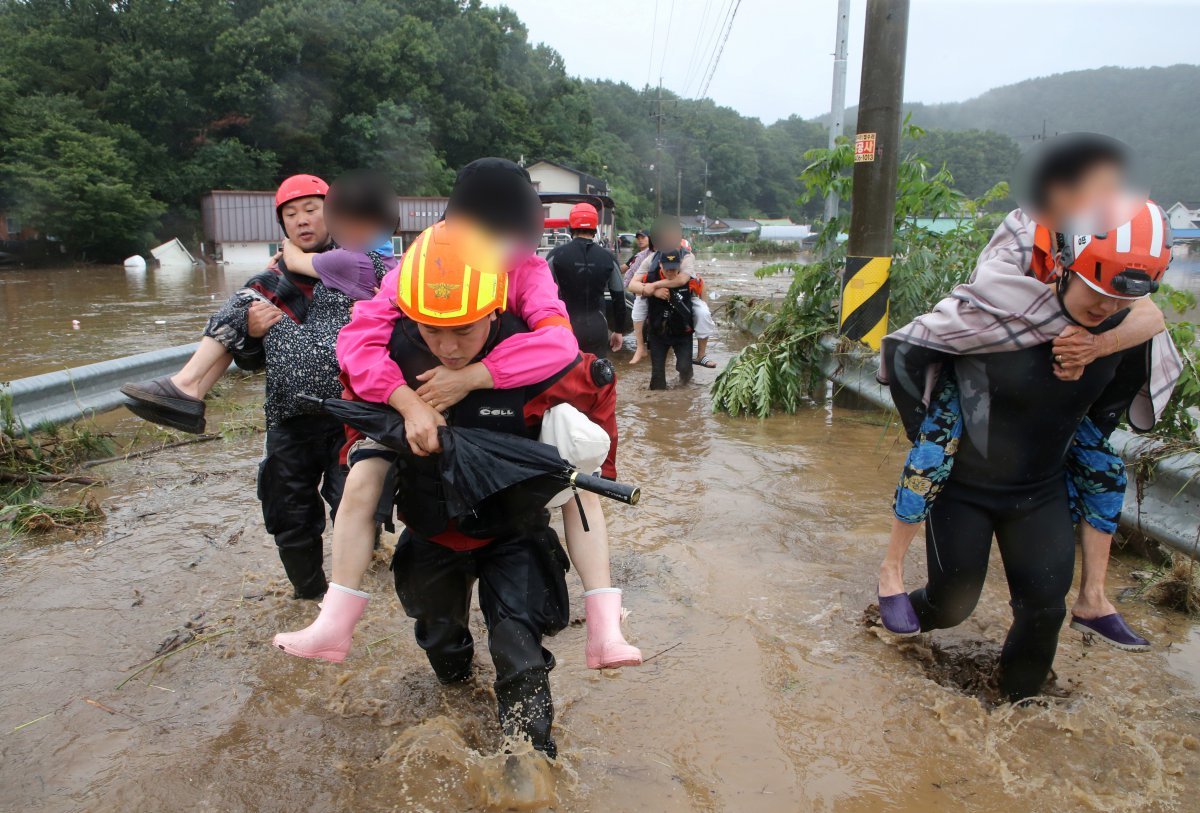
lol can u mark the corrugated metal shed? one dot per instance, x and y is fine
(239, 217)
(418, 214)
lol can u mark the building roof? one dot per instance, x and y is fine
(939, 225)
(587, 183)
(742, 225)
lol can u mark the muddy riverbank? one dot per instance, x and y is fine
(752, 554)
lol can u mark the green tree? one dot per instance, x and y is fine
(397, 142)
(69, 177)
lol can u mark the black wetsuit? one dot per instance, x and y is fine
(668, 327)
(1007, 480)
(588, 275)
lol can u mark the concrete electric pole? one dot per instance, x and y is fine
(837, 106)
(876, 161)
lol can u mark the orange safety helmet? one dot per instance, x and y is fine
(300, 186)
(584, 216)
(1127, 262)
(438, 287)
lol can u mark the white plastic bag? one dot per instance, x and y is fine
(579, 440)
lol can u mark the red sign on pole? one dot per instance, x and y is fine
(864, 147)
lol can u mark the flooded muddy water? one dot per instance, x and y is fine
(119, 312)
(748, 565)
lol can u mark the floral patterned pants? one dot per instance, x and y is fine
(1095, 473)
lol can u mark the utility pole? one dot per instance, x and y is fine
(876, 161)
(658, 118)
(678, 193)
(837, 106)
(704, 203)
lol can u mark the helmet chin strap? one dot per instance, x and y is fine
(1061, 293)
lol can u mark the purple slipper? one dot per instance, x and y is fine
(1113, 630)
(898, 616)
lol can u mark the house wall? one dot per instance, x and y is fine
(256, 254)
(549, 178)
(1180, 217)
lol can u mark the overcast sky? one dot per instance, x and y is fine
(778, 60)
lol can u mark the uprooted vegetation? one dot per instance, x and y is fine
(1175, 586)
(32, 459)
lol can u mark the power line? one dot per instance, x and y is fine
(695, 60)
(710, 43)
(717, 60)
(710, 46)
(666, 38)
(653, 42)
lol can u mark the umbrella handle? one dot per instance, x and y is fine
(606, 488)
(312, 399)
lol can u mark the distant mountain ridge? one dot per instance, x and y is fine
(1155, 110)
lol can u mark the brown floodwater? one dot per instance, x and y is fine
(748, 565)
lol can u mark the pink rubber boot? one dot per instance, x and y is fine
(329, 636)
(606, 646)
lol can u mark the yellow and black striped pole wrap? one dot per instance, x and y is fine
(865, 299)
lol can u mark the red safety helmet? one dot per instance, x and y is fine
(300, 186)
(584, 216)
(1127, 262)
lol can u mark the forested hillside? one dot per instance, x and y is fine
(116, 117)
(1155, 110)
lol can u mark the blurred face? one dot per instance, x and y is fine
(304, 222)
(357, 235)
(642, 242)
(456, 347)
(670, 273)
(668, 237)
(1087, 205)
(482, 245)
(1089, 307)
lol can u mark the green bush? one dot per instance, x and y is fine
(781, 367)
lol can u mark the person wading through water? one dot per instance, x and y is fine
(1019, 418)
(301, 471)
(521, 359)
(1072, 178)
(455, 313)
(588, 275)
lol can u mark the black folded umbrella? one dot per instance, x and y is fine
(480, 467)
(379, 422)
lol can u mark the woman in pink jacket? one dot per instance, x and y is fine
(497, 193)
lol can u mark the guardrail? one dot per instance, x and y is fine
(81, 392)
(1169, 509)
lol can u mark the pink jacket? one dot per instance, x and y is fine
(521, 360)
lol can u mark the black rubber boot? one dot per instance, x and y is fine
(453, 664)
(304, 570)
(526, 709)
(523, 684)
